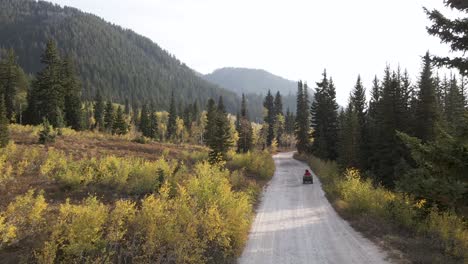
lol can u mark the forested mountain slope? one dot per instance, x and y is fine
(255, 83)
(118, 62)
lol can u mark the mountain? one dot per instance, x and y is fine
(251, 81)
(117, 61)
(255, 83)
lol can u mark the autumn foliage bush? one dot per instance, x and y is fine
(260, 164)
(362, 197)
(203, 221)
(133, 175)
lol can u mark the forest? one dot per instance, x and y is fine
(104, 164)
(402, 156)
(115, 183)
(119, 63)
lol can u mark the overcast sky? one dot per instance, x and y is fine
(295, 39)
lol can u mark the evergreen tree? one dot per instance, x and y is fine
(109, 117)
(279, 121)
(244, 129)
(453, 32)
(47, 95)
(210, 128)
(388, 152)
(9, 78)
(187, 116)
(119, 125)
(357, 110)
(289, 122)
(145, 124)
(302, 118)
(4, 133)
(217, 131)
(46, 135)
(278, 104)
(373, 123)
(72, 92)
(153, 120)
(349, 137)
(426, 111)
(171, 124)
(269, 118)
(99, 107)
(127, 107)
(325, 120)
(455, 108)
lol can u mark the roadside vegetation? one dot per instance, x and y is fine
(123, 201)
(396, 165)
(424, 233)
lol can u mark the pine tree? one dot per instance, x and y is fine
(119, 125)
(153, 120)
(278, 104)
(47, 95)
(171, 124)
(279, 121)
(222, 136)
(455, 108)
(349, 137)
(269, 118)
(46, 135)
(387, 162)
(187, 117)
(127, 107)
(453, 32)
(4, 133)
(210, 128)
(358, 110)
(302, 118)
(99, 107)
(109, 117)
(426, 111)
(9, 78)
(72, 92)
(244, 129)
(145, 124)
(325, 120)
(290, 121)
(373, 123)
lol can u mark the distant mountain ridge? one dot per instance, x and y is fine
(255, 83)
(119, 62)
(251, 81)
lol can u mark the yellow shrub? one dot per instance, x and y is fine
(79, 230)
(260, 164)
(145, 176)
(123, 213)
(210, 188)
(23, 217)
(113, 171)
(361, 197)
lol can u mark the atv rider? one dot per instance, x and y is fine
(307, 173)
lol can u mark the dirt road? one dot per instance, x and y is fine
(295, 223)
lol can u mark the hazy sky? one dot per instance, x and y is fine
(295, 39)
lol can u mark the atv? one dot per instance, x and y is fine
(307, 179)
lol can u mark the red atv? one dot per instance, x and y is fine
(307, 178)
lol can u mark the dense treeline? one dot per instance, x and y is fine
(411, 137)
(118, 62)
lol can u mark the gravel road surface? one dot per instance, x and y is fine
(295, 223)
